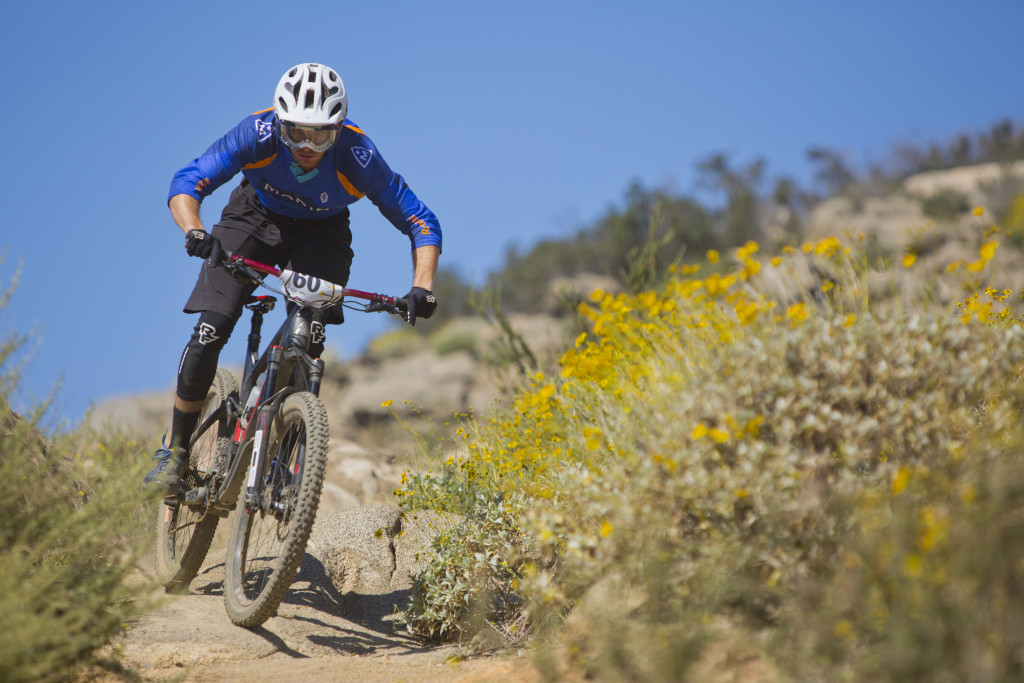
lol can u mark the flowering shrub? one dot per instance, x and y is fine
(727, 451)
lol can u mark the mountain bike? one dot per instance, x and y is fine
(263, 459)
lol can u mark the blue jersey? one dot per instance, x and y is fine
(350, 170)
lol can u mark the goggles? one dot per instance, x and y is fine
(316, 138)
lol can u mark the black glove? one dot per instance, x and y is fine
(204, 245)
(422, 304)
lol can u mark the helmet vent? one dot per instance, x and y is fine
(311, 95)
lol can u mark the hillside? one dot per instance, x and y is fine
(574, 475)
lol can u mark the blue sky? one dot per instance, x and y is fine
(513, 121)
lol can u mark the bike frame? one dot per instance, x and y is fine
(285, 354)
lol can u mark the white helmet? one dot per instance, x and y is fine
(311, 95)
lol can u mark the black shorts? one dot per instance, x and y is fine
(319, 247)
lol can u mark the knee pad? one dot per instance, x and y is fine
(333, 315)
(198, 363)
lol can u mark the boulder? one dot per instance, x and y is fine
(367, 556)
(975, 182)
(892, 222)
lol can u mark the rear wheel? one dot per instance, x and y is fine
(267, 542)
(184, 533)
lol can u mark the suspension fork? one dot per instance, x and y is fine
(261, 436)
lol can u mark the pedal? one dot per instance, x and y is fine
(196, 496)
(221, 512)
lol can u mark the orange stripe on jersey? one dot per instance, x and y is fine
(355, 129)
(349, 187)
(261, 111)
(262, 162)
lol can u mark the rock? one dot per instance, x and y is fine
(973, 182)
(892, 222)
(368, 555)
(435, 385)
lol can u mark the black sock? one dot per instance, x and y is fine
(182, 426)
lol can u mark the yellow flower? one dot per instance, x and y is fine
(797, 312)
(900, 481)
(717, 284)
(909, 260)
(699, 432)
(386, 404)
(988, 250)
(606, 528)
(750, 268)
(712, 256)
(978, 210)
(843, 629)
(747, 250)
(719, 435)
(746, 311)
(912, 565)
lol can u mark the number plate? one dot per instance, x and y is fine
(309, 290)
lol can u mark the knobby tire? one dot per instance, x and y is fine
(180, 554)
(265, 548)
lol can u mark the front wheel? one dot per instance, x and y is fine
(268, 540)
(184, 534)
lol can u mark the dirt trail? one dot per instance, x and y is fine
(190, 638)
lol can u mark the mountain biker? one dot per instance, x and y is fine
(303, 162)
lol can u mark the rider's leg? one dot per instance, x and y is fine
(196, 370)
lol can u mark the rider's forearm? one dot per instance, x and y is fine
(185, 212)
(424, 266)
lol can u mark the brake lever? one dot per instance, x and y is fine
(380, 308)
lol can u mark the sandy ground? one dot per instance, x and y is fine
(190, 638)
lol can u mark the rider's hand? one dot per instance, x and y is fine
(422, 304)
(200, 243)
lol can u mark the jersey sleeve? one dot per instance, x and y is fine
(394, 198)
(244, 144)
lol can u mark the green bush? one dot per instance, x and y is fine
(945, 204)
(471, 578)
(456, 335)
(397, 342)
(69, 536)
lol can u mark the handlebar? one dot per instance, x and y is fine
(313, 288)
